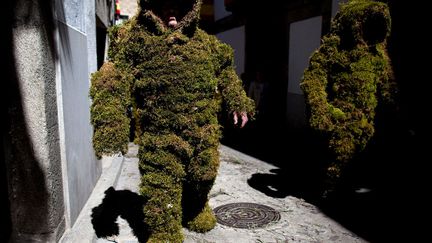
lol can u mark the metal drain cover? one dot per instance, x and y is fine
(246, 215)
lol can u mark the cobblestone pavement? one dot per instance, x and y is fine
(300, 221)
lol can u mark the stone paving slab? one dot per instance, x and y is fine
(129, 179)
(300, 221)
(82, 231)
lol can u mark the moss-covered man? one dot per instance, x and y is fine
(176, 78)
(348, 76)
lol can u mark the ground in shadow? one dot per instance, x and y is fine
(299, 156)
(123, 203)
(379, 195)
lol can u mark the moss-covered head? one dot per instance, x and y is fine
(159, 14)
(362, 21)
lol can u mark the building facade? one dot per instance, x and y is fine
(47, 161)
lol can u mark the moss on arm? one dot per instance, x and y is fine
(230, 85)
(387, 86)
(314, 84)
(110, 93)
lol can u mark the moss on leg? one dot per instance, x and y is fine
(202, 171)
(204, 221)
(161, 184)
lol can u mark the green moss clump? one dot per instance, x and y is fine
(204, 221)
(110, 93)
(178, 80)
(348, 76)
(162, 211)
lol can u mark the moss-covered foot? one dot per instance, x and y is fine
(203, 222)
(165, 238)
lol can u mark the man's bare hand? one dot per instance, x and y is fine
(243, 116)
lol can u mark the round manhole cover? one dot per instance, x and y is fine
(246, 215)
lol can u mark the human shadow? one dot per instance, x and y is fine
(123, 203)
(299, 172)
(280, 183)
(300, 157)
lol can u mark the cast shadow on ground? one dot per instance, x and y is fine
(375, 197)
(123, 203)
(383, 178)
(299, 172)
(279, 183)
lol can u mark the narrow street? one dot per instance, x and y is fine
(299, 221)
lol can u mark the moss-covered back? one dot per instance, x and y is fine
(180, 79)
(347, 77)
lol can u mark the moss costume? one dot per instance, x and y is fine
(348, 76)
(176, 81)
